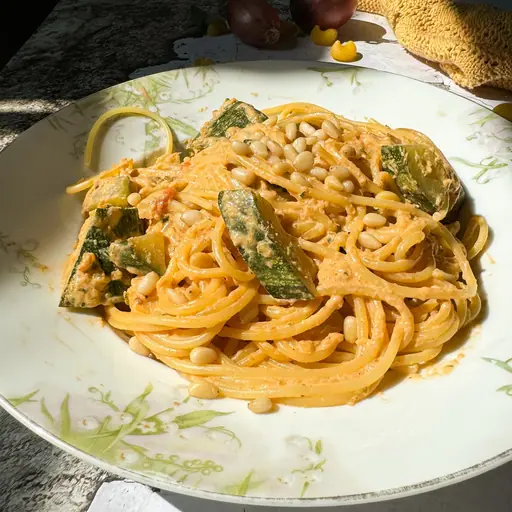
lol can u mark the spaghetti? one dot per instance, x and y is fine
(393, 284)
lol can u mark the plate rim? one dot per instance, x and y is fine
(327, 501)
(255, 62)
(388, 494)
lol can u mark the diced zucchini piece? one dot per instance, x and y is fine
(107, 192)
(144, 253)
(119, 222)
(281, 266)
(424, 178)
(232, 114)
(92, 279)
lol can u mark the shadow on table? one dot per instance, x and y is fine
(490, 491)
(36, 476)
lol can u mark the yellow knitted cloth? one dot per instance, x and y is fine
(471, 43)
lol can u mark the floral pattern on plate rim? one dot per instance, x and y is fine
(116, 434)
(26, 260)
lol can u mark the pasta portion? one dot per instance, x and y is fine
(292, 257)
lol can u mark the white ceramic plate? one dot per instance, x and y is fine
(74, 382)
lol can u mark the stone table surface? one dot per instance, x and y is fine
(82, 47)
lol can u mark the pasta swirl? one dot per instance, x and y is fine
(393, 284)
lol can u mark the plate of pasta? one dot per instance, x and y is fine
(267, 283)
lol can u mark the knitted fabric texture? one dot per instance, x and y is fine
(471, 43)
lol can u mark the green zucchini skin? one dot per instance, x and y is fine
(119, 222)
(97, 234)
(278, 262)
(142, 254)
(424, 178)
(232, 114)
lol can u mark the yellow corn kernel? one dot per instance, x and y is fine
(344, 52)
(217, 27)
(203, 61)
(504, 110)
(324, 37)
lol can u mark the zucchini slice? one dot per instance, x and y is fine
(140, 254)
(232, 114)
(281, 266)
(92, 279)
(107, 192)
(424, 178)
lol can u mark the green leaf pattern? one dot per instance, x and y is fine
(23, 399)
(113, 437)
(25, 259)
(504, 365)
(352, 72)
(488, 128)
(46, 413)
(313, 463)
(116, 433)
(157, 93)
(104, 398)
(485, 165)
(196, 418)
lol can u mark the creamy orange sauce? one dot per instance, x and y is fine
(438, 369)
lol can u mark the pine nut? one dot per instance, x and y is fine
(306, 129)
(350, 329)
(320, 134)
(265, 139)
(281, 168)
(316, 148)
(330, 129)
(342, 173)
(311, 141)
(240, 147)
(318, 161)
(138, 347)
(201, 260)
(203, 355)
(289, 152)
(334, 183)
(176, 297)
(387, 195)
(298, 178)
(146, 284)
(368, 241)
(349, 186)
(256, 135)
(280, 138)
(259, 148)
(300, 144)
(291, 131)
(274, 159)
(134, 199)
(191, 217)
(244, 176)
(271, 121)
(304, 161)
(203, 389)
(374, 220)
(260, 405)
(319, 173)
(275, 148)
